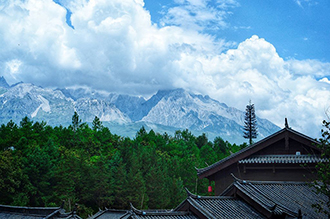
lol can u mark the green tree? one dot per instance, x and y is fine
(250, 123)
(201, 140)
(76, 122)
(322, 184)
(97, 124)
(10, 177)
(221, 147)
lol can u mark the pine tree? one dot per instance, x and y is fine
(250, 123)
(97, 124)
(76, 122)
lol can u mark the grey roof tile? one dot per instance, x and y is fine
(109, 213)
(273, 159)
(227, 207)
(286, 197)
(22, 212)
(162, 214)
(219, 207)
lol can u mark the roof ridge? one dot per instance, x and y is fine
(266, 182)
(270, 209)
(200, 208)
(29, 208)
(291, 212)
(286, 155)
(147, 212)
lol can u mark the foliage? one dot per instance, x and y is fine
(42, 165)
(250, 123)
(322, 185)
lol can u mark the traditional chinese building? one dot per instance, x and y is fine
(287, 155)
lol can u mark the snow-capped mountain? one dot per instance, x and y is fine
(53, 106)
(179, 108)
(167, 110)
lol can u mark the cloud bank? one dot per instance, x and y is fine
(114, 46)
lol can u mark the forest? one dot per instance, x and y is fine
(41, 165)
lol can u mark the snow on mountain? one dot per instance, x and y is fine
(25, 99)
(178, 108)
(167, 110)
(83, 92)
(53, 106)
(89, 108)
(44, 106)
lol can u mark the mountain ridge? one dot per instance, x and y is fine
(165, 111)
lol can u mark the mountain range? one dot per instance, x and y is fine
(166, 111)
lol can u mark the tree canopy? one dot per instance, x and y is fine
(41, 165)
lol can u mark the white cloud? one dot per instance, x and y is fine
(326, 80)
(115, 47)
(301, 3)
(309, 67)
(199, 14)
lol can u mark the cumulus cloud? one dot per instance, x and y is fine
(114, 46)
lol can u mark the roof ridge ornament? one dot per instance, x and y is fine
(191, 194)
(188, 192)
(236, 179)
(136, 211)
(286, 123)
(62, 205)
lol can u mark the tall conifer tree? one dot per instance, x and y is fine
(250, 123)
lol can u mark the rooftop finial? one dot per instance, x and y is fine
(62, 205)
(286, 123)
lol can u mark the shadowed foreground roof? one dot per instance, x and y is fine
(219, 207)
(279, 198)
(20, 212)
(110, 213)
(161, 214)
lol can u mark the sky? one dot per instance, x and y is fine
(274, 53)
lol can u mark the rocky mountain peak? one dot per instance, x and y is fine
(3, 82)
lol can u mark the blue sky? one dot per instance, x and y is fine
(274, 53)
(298, 29)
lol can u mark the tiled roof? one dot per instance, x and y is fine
(299, 159)
(22, 212)
(221, 207)
(226, 207)
(172, 215)
(206, 171)
(110, 213)
(283, 198)
(161, 214)
(14, 212)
